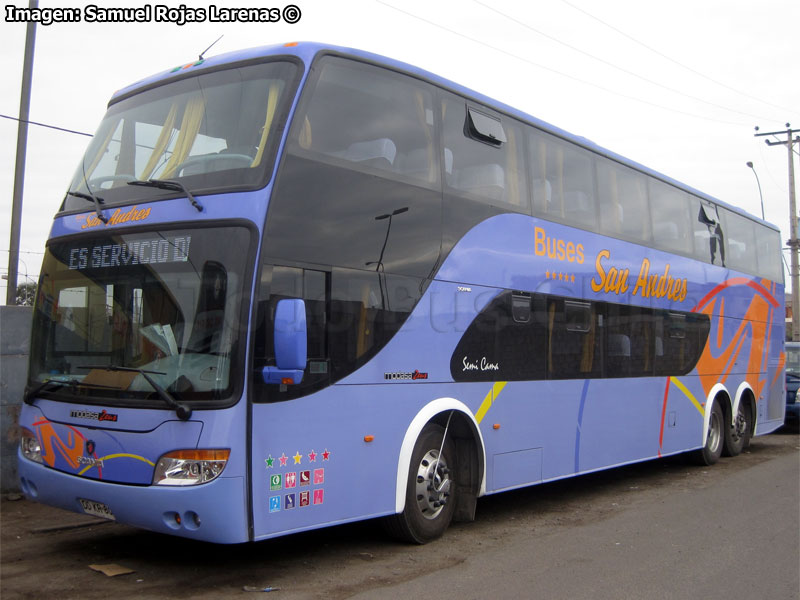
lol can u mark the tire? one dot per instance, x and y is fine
(737, 435)
(430, 490)
(715, 437)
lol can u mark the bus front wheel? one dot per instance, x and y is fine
(430, 489)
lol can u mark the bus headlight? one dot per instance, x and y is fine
(190, 467)
(30, 446)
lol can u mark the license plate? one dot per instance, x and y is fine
(96, 509)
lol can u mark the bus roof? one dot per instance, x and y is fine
(307, 51)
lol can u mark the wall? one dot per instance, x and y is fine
(15, 331)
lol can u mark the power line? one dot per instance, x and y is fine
(557, 72)
(672, 60)
(615, 66)
(45, 125)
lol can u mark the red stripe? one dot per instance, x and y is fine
(737, 281)
(663, 417)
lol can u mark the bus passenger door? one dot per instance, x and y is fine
(277, 421)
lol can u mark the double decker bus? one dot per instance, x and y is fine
(298, 286)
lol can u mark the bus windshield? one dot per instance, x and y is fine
(165, 302)
(213, 132)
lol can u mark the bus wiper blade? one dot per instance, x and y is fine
(170, 184)
(73, 383)
(96, 199)
(183, 411)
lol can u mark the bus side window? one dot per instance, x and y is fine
(573, 332)
(624, 209)
(630, 344)
(366, 118)
(483, 155)
(769, 254)
(277, 283)
(670, 213)
(563, 181)
(681, 338)
(740, 237)
(505, 342)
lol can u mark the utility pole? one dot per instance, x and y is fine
(19, 173)
(792, 242)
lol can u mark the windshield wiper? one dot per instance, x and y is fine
(73, 383)
(183, 411)
(96, 199)
(170, 184)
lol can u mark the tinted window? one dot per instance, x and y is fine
(354, 208)
(770, 263)
(671, 218)
(623, 202)
(278, 283)
(364, 117)
(493, 171)
(366, 310)
(630, 342)
(571, 339)
(574, 348)
(740, 236)
(505, 342)
(563, 182)
(680, 339)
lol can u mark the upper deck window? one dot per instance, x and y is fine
(213, 132)
(366, 118)
(483, 156)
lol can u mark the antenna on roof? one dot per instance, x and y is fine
(209, 48)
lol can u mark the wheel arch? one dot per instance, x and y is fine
(463, 423)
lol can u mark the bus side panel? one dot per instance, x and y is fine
(313, 464)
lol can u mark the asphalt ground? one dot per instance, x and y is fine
(661, 529)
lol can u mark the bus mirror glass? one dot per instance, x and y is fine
(291, 340)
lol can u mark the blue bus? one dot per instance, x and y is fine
(300, 285)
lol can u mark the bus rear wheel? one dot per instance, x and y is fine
(430, 489)
(737, 436)
(712, 449)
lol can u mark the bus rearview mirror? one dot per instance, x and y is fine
(291, 343)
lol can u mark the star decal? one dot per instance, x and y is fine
(283, 458)
(326, 455)
(312, 456)
(297, 458)
(567, 277)
(270, 461)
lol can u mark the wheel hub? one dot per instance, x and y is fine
(432, 484)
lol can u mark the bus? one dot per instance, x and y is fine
(300, 285)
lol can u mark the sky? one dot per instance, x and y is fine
(677, 86)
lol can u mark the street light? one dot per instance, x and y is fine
(750, 164)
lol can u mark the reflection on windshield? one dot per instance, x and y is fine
(165, 302)
(214, 130)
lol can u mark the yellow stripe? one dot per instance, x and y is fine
(487, 401)
(688, 394)
(110, 456)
